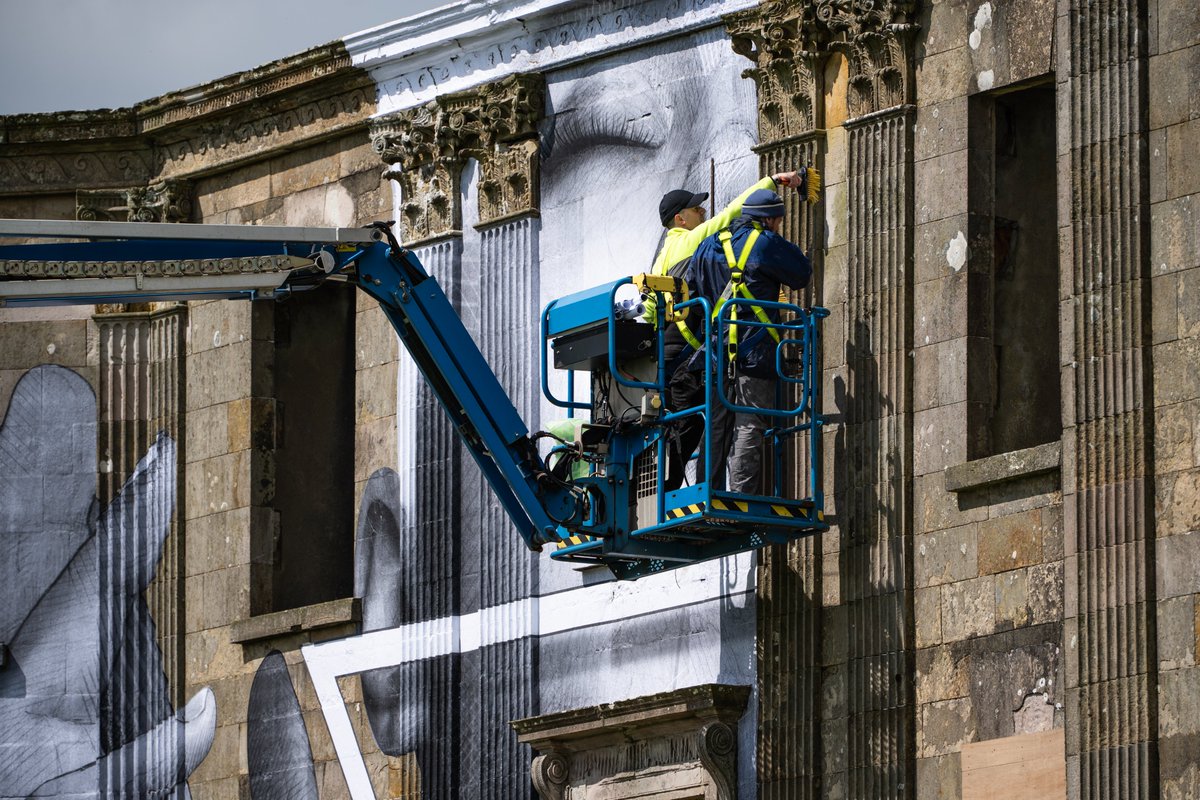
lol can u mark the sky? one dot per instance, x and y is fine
(72, 55)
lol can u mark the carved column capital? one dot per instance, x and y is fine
(784, 71)
(876, 39)
(550, 772)
(420, 149)
(164, 201)
(788, 41)
(718, 754)
(427, 147)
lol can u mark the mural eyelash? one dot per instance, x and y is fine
(600, 125)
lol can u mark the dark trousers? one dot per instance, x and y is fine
(684, 390)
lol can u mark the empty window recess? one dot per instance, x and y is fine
(1013, 382)
(314, 453)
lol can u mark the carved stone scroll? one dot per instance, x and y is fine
(718, 754)
(165, 201)
(550, 776)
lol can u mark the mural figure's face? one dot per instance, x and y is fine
(624, 129)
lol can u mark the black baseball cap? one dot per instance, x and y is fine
(677, 200)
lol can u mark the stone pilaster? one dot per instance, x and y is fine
(874, 513)
(1107, 472)
(141, 379)
(869, 673)
(428, 148)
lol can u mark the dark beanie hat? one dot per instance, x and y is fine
(763, 204)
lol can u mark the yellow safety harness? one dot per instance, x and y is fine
(737, 286)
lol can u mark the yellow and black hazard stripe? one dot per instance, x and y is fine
(684, 511)
(740, 505)
(578, 538)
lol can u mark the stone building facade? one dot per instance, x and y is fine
(1008, 596)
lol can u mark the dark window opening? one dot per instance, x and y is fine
(314, 447)
(1014, 387)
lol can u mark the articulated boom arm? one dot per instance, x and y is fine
(131, 262)
(602, 494)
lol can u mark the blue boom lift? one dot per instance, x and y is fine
(598, 497)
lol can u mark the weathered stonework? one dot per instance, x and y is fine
(165, 201)
(677, 742)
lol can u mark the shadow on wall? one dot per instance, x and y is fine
(84, 702)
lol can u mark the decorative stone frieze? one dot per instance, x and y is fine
(678, 743)
(165, 201)
(428, 146)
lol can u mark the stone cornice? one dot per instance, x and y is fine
(294, 101)
(468, 44)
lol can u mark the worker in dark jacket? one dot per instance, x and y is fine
(752, 249)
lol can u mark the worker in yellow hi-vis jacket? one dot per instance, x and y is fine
(682, 214)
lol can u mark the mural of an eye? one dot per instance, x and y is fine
(621, 110)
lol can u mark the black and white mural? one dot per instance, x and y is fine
(462, 631)
(85, 707)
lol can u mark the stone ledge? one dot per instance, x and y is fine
(638, 718)
(984, 472)
(297, 620)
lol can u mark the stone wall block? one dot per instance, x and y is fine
(945, 727)
(943, 673)
(928, 612)
(232, 189)
(1157, 144)
(1177, 633)
(941, 248)
(935, 508)
(941, 187)
(1183, 141)
(207, 433)
(1030, 596)
(941, 308)
(1165, 302)
(1188, 303)
(941, 127)
(1179, 702)
(939, 438)
(30, 344)
(1174, 94)
(1177, 557)
(219, 376)
(1175, 235)
(940, 777)
(968, 609)
(1177, 503)
(944, 76)
(1012, 541)
(946, 556)
(1176, 438)
(940, 374)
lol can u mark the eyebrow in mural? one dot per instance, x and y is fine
(84, 702)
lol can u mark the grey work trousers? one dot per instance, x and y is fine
(746, 459)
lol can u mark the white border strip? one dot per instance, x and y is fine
(583, 607)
